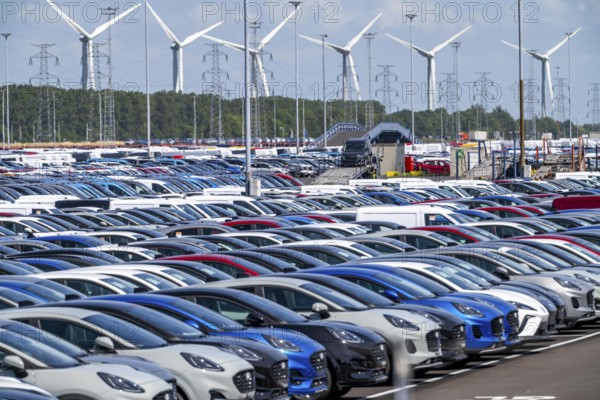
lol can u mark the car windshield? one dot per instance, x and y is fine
(57, 287)
(274, 310)
(120, 284)
(163, 322)
(411, 289)
(37, 350)
(453, 278)
(44, 337)
(359, 293)
(211, 319)
(337, 298)
(423, 281)
(155, 281)
(354, 146)
(183, 277)
(47, 294)
(125, 331)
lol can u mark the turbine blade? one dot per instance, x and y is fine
(332, 46)
(403, 43)
(74, 25)
(231, 45)
(447, 42)
(107, 24)
(199, 34)
(558, 46)
(531, 52)
(354, 75)
(356, 38)
(265, 41)
(164, 26)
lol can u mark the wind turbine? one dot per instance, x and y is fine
(256, 52)
(88, 80)
(177, 48)
(544, 59)
(430, 55)
(347, 60)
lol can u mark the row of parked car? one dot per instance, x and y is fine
(305, 293)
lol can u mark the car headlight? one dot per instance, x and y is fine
(467, 309)
(401, 323)
(587, 279)
(521, 306)
(119, 383)
(198, 361)
(344, 336)
(242, 352)
(281, 344)
(567, 283)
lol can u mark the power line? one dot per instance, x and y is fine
(530, 90)
(43, 131)
(369, 113)
(595, 102)
(216, 92)
(481, 90)
(386, 90)
(455, 89)
(110, 132)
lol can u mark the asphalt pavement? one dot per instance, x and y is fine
(565, 367)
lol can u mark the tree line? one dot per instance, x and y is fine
(75, 115)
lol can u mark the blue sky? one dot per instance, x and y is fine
(545, 24)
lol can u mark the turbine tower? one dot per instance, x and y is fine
(177, 48)
(430, 55)
(256, 51)
(347, 60)
(87, 62)
(544, 59)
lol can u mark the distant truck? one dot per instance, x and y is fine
(356, 153)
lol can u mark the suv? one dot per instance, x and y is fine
(356, 152)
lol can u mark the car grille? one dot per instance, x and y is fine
(477, 332)
(497, 327)
(166, 395)
(280, 372)
(244, 381)
(575, 302)
(433, 341)
(318, 361)
(513, 321)
(379, 353)
(458, 333)
(590, 299)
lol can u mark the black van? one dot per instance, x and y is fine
(356, 152)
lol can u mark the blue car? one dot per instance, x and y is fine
(40, 293)
(388, 198)
(486, 330)
(305, 379)
(48, 264)
(73, 241)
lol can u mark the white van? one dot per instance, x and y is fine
(410, 216)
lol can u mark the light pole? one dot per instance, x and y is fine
(195, 123)
(6, 35)
(148, 131)
(412, 106)
(521, 104)
(247, 132)
(296, 4)
(569, 87)
(323, 36)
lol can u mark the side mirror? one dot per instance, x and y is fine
(502, 273)
(392, 295)
(104, 343)
(321, 309)
(16, 364)
(254, 320)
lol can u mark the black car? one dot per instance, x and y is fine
(358, 360)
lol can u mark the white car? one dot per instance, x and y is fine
(66, 377)
(142, 279)
(13, 385)
(203, 372)
(415, 336)
(90, 284)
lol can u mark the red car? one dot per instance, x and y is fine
(231, 265)
(434, 167)
(507, 211)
